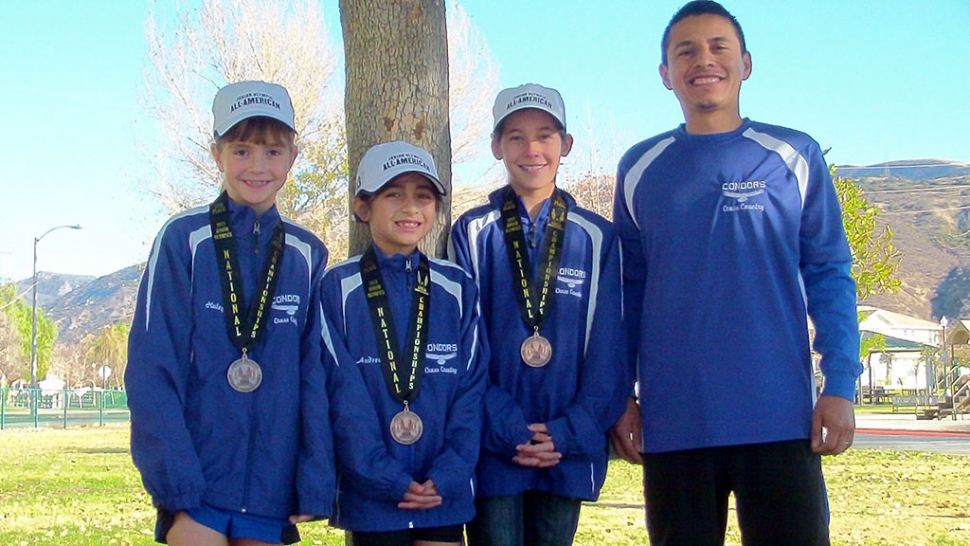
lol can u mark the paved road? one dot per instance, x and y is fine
(903, 431)
(954, 444)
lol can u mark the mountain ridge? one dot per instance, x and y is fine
(910, 169)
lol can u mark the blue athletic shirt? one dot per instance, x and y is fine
(728, 239)
(195, 439)
(374, 471)
(582, 391)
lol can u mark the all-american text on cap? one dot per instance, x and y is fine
(383, 162)
(243, 100)
(530, 95)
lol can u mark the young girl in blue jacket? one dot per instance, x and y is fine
(405, 359)
(228, 400)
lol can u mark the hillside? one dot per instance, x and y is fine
(930, 220)
(912, 170)
(103, 301)
(51, 287)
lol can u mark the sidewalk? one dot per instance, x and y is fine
(867, 423)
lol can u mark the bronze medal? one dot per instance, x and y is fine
(244, 375)
(402, 376)
(535, 296)
(536, 351)
(406, 427)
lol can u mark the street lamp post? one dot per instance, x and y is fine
(33, 320)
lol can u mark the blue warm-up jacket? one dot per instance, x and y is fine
(193, 438)
(582, 391)
(374, 471)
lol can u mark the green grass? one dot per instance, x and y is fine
(884, 409)
(78, 487)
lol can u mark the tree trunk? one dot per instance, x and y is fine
(396, 58)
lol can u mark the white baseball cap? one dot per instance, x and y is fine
(530, 95)
(243, 100)
(382, 162)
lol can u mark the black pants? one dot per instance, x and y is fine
(778, 488)
(404, 537)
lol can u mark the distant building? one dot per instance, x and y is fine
(910, 343)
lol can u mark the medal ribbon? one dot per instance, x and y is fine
(535, 301)
(244, 334)
(386, 332)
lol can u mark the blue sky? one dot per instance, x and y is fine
(872, 80)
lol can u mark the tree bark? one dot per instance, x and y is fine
(396, 58)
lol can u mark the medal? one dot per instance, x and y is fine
(536, 351)
(534, 296)
(244, 375)
(245, 329)
(406, 427)
(402, 369)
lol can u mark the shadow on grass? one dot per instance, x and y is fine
(98, 451)
(635, 506)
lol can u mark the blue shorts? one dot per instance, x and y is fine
(233, 524)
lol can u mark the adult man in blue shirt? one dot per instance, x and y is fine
(731, 235)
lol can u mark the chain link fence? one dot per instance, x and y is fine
(35, 407)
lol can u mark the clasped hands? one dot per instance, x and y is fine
(540, 451)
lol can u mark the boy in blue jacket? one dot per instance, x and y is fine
(406, 362)
(549, 276)
(229, 424)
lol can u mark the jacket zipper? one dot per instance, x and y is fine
(249, 449)
(407, 272)
(256, 234)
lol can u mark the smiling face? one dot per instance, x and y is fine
(255, 167)
(401, 214)
(705, 67)
(531, 145)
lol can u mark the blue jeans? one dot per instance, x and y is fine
(533, 518)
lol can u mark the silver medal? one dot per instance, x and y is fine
(244, 375)
(406, 427)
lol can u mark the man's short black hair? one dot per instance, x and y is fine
(699, 7)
